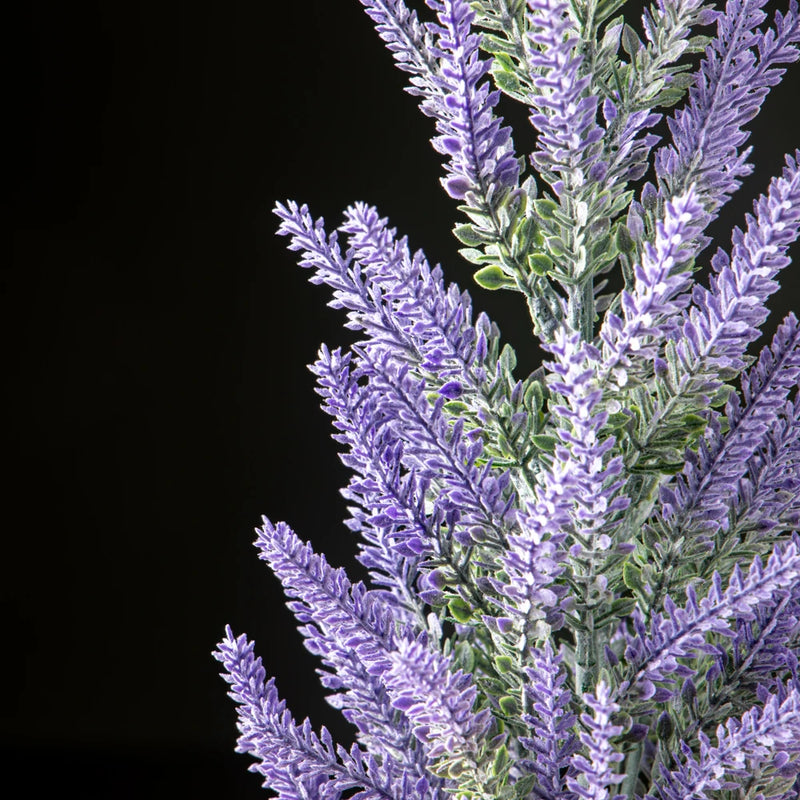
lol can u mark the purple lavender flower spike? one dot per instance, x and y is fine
(390, 513)
(351, 290)
(481, 152)
(597, 770)
(410, 43)
(764, 649)
(667, 26)
(354, 632)
(362, 699)
(437, 319)
(552, 740)
(765, 738)
(326, 597)
(400, 302)
(438, 702)
(532, 563)
(478, 498)
(724, 319)
(569, 141)
(296, 762)
(576, 494)
(768, 497)
(681, 632)
(580, 454)
(696, 503)
(740, 66)
(651, 308)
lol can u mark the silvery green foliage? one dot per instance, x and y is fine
(583, 582)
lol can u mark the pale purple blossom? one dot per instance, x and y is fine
(597, 769)
(740, 66)
(510, 524)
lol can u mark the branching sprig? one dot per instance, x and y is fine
(525, 537)
(740, 67)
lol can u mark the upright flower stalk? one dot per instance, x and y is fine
(583, 582)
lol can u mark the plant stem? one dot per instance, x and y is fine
(632, 763)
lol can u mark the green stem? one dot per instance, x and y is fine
(632, 763)
(581, 655)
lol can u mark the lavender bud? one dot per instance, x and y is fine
(664, 726)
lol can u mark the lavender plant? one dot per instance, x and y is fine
(584, 583)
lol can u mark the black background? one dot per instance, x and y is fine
(156, 337)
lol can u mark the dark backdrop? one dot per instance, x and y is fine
(156, 340)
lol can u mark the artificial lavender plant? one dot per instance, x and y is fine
(584, 583)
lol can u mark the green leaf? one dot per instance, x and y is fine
(534, 395)
(605, 8)
(455, 407)
(508, 359)
(472, 255)
(697, 44)
(507, 82)
(682, 82)
(720, 397)
(664, 467)
(500, 761)
(630, 41)
(508, 705)
(624, 240)
(621, 607)
(504, 664)
(540, 263)
(524, 786)
(492, 278)
(602, 248)
(545, 208)
(665, 727)
(669, 97)
(465, 657)
(632, 577)
(466, 234)
(496, 46)
(460, 610)
(613, 31)
(542, 441)
(556, 246)
(694, 422)
(617, 420)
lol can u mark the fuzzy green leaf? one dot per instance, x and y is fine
(456, 407)
(507, 82)
(464, 657)
(524, 786)
(492, 278)
(540, 263)
(508, 359)
(460, 609)
(466, 234)
(545, 208)
(500, 761)
(504, 664)
(623, 240)
(605, 8)
(631, 43)
(509, 705)
(542, 441)
(632, 577)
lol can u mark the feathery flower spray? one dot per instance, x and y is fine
(584, 583)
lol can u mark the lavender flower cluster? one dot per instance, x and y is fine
(584, 584)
